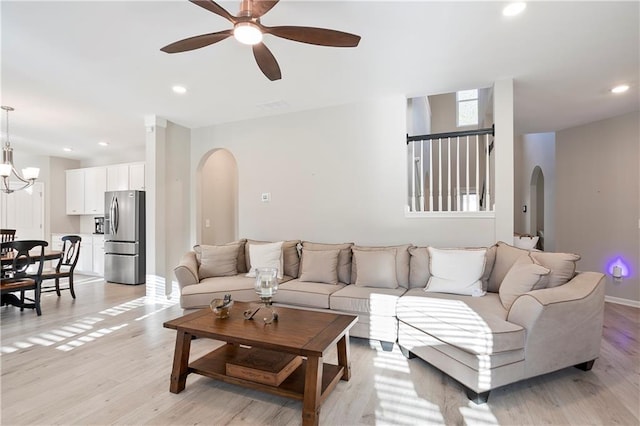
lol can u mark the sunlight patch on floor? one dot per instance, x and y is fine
(83, 331)
(398, 402)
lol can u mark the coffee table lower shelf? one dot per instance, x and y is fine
(213, 365)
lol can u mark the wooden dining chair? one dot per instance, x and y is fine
(65, 267)
(7, 235)
(16, 277)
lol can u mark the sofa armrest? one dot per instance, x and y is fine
(563, 324)
(187, 270)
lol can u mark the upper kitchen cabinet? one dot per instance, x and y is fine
(118, 177)
(136, 176)
(85, 190)
(75, 191)
(122, 177)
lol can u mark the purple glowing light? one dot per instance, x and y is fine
(618, 263)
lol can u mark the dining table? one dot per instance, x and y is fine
(7, 258)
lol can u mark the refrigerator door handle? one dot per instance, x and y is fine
(113, 223)
(116, 214)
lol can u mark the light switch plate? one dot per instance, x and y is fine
(266, 197)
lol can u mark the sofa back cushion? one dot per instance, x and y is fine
(562, 266)
(402, 262)
(290, 257)
(506, 256)
(217, 261)
(419, 272)
(456, 271)
(525, 275)
(375, 268)
(320, 266)
(344, 258)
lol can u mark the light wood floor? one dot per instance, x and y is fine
(106, 359)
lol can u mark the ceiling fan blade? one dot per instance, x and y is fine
(311, 35)
(266, 61)
(214, 7)
(260, 7)
(196, 42)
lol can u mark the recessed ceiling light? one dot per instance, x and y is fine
(513, 9)
(103, 143)
(67, 149)
(181, 90)
(620, 89)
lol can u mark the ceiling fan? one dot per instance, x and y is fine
(247, 29)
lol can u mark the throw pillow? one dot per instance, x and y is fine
(376, 268)
(402, 262)
(217, 261)
(419, 267)
(241, 264)
(290, 258)
(320, 266)
(344, 258)
(562, 266)
(456, 271)
(506, 256)
(265, 256)
(525, 275)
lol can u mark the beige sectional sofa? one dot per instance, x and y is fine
(487, 317)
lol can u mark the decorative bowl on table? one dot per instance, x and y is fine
(221, 307)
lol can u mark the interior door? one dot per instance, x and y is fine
(24, 211)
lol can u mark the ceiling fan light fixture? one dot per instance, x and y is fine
(247, 33)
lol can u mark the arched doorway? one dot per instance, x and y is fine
(217, 199)
(536, 225)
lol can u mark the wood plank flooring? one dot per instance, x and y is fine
(106, 359)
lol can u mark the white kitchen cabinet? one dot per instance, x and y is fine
(136, 176)
(118, 177)
(95, 184)
(91, 259)
(85, 190)
(98, 254)
(75, 191)
(85, 260)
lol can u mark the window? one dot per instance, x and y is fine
(467, 107)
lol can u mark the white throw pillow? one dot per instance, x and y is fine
(266, 256)
(456, 271)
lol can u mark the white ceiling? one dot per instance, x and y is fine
(79, 72)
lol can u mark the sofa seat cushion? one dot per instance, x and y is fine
(474, 324)
(307, 294)
(369, 300)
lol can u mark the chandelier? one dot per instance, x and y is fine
(29, 174)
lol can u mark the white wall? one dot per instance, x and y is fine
(335, 174)
(598, 197)
(533, 150)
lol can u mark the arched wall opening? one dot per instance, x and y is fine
(536, 194)
(217, 198)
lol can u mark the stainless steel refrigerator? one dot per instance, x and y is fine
(124, 237)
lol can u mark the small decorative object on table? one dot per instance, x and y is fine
(266, 286)
(221, 307)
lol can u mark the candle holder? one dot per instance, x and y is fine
(266, 286)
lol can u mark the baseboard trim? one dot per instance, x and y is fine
(621, 301)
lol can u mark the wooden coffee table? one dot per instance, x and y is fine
(299, 332)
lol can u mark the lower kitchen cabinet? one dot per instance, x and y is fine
(91, 259)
